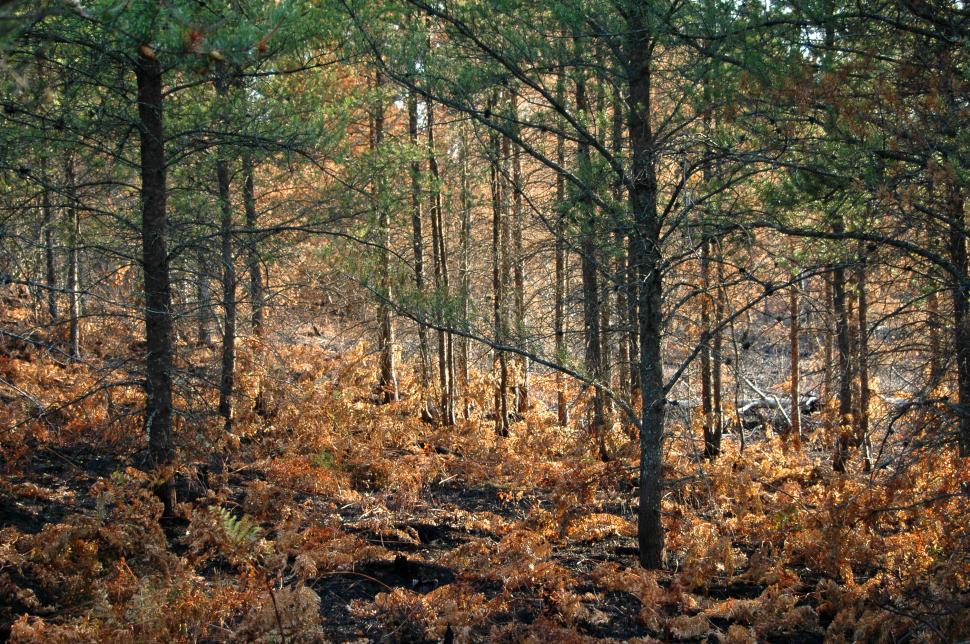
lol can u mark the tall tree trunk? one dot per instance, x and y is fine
(559, 305)
(717, 342)
(498, 283)
(842, 345)
(794, 390)
(73, 260)
(620, 229)
(505, 190)
(446, 359)
(257, 297)
(862, 359)
(518, 273)
(228, 375)
(256, 292)
(387, 382)
(828, 345)
(646, 259)
(464, 275)
(50, 269)
(591, 289)
(960, 288)
(158, 290)
(417, 242)
(711, 449)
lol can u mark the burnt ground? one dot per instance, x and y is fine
(62, 477)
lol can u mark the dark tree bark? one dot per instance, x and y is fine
(842, 345)
(50, 268)
(646, 260)
(500, 362)
(828, 342)
(158, 290)
(620, 285)
(710, 403)
(464, 274)
(518, 272)
(559, 313)
(794, 389)
(228, 373)
(257, 296)
(960, 289)
(417, 244)
(73, 260)
(862, 359)
(446, 359)
(591, 289)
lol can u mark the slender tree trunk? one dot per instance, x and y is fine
(50, 269)
(620, 229)
(842, 342)
(446, 360)
(417, 242)
(956, 214)
(518, 276)
(828, 345)
(591, 288)
(158, 291)
(501, 389)
(794, 391)
(256, 294)
(73, 260)
(387, 382)
(559, 305)
(717, 342)
(464, 275)
(646, 259)
(228, 375)
(707, 376)
(505, 190)
(862, 358)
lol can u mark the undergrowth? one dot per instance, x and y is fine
(333, 517)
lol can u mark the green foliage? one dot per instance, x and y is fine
(240, 531)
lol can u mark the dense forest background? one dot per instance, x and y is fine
(484, 320)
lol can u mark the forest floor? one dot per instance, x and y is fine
(333, 518)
